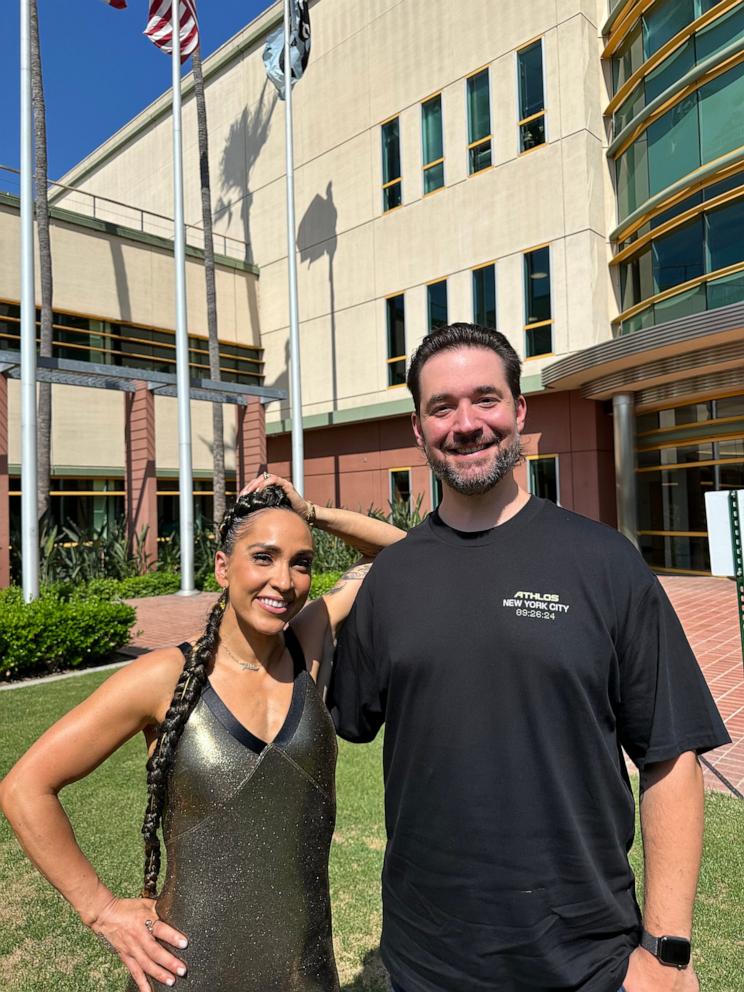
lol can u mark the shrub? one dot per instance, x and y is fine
(209, 583)
(322, 582)
(50, 634)
(134, 587)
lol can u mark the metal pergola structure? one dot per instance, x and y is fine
(92, 375)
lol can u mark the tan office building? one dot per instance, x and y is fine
(565, 172)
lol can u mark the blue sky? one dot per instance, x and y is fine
(99, 70)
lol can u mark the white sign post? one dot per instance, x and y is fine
(725, 513)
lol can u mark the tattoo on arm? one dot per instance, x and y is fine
(357, 572)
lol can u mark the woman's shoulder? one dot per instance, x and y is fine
(152, 677)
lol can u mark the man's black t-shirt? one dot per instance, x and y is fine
(509, 667)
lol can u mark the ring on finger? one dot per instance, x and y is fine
(265, 475)
(150, 926)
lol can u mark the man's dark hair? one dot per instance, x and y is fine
(463, 336)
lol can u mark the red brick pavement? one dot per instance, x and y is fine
(708, 612)
(706, 607)
(167, 620)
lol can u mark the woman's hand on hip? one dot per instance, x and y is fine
(132, 929)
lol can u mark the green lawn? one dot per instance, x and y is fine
(43, 947)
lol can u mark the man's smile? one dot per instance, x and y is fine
(465, 450)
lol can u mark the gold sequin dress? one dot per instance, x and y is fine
(247, 831)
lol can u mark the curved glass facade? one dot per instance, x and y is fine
(694, 251)
(702, 127)
(702, 122)
(677, 142)
(682, 453)
(658, 25)
(704, 44)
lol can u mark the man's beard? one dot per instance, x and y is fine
(473, 482)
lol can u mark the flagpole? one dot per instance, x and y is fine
(298, 458)
(29, 511)
(185, 476)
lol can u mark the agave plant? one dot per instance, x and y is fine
(73, 554)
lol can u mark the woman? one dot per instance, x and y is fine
(241, 769)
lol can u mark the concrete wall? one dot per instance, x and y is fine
(373, 59)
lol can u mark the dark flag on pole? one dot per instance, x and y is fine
(273, 55)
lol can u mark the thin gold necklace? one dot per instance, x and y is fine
(249, 666)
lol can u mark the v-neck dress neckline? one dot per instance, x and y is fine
(241, 733)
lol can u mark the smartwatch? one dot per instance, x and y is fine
(672, 951)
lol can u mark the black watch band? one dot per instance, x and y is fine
(671, 951)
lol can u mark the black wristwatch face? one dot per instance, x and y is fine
(674, 951)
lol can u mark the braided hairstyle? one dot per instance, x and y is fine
(191, 683)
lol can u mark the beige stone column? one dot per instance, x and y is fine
(4, 486)
(250, 455)
(141, 480)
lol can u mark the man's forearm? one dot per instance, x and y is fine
(672, 830)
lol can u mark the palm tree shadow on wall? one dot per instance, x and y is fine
(316, 237)
(245, 139)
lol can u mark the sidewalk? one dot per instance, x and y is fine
(705, 606)
(708, 612)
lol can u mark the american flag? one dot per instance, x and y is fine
(160, 26)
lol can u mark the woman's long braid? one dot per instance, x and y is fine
(190, 685)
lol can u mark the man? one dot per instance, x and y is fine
(512, 648)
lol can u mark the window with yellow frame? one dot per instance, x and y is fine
(479, 121)
(542, 477)
(395, 313)
(392, 183)
(537, 303)
(400, 486)
(436, 304)
(432, 143)
(531, 97)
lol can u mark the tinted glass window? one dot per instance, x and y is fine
(537, 285)
(390, 151)
(725, 241)
(636, 279)
(679, 256)
(437, 304)
(432, 145)
(479, 111)
(670, 70)
(543, 478)
(664, 20)
(396, 340)
(673, 145)
(720, 34)
(400, 486)
(722, 113)
(431, 129)
(484, 296)
(629, 57)
(392, 186)
(530, 68)
(632, 177)
(396, 326)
